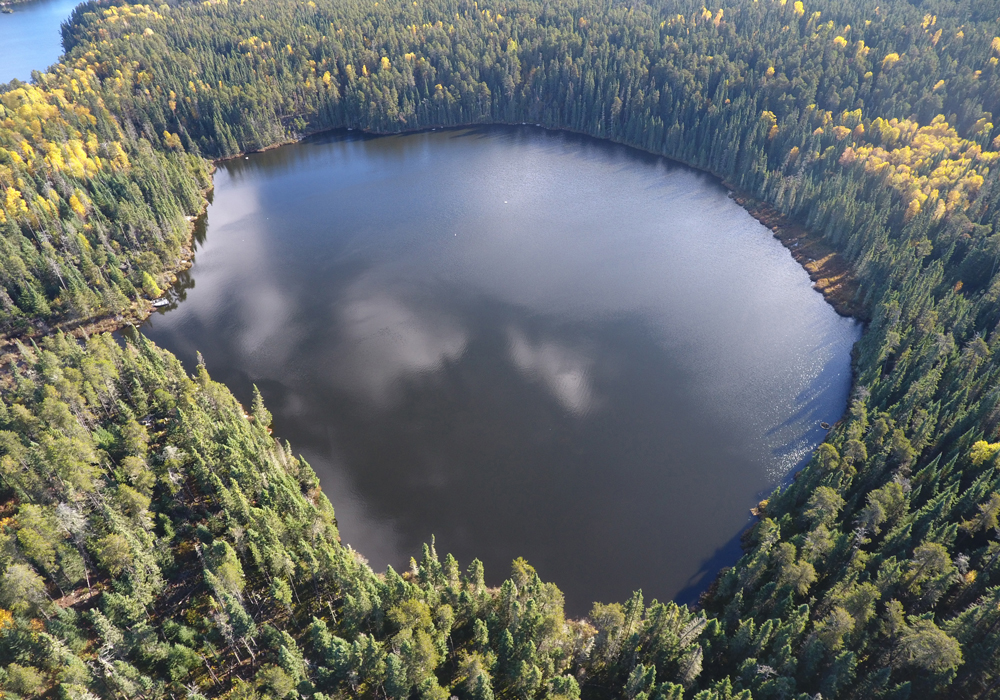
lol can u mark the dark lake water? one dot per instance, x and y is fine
(522, 342)
(30, 38)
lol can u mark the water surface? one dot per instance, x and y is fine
(30, 38)
(524, 343)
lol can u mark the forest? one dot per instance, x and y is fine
(157, 541)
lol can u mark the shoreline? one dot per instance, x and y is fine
(137, 312)
(830, 273)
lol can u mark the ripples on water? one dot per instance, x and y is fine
(525, 343)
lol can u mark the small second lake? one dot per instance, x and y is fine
(522, 342)
(30, 38)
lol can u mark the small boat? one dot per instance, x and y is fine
(825, 426)
(157, 303)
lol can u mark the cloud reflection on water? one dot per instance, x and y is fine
(449, 384)
(385, 340)
(563, 370)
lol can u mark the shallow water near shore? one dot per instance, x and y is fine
(524, 343)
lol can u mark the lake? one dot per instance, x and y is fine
(30, 38)
(521, 342)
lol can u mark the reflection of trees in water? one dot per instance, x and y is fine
(178, 292)
(185, 279)
(201, 224)
(486, 453)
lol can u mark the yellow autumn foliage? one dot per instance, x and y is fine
(923, 162)
(48, 131)
(841, 132)
(14, 203)
(22, 143)
(77, 206)
(172, 140)
(983, 451)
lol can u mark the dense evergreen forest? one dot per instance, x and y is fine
(156, 541)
